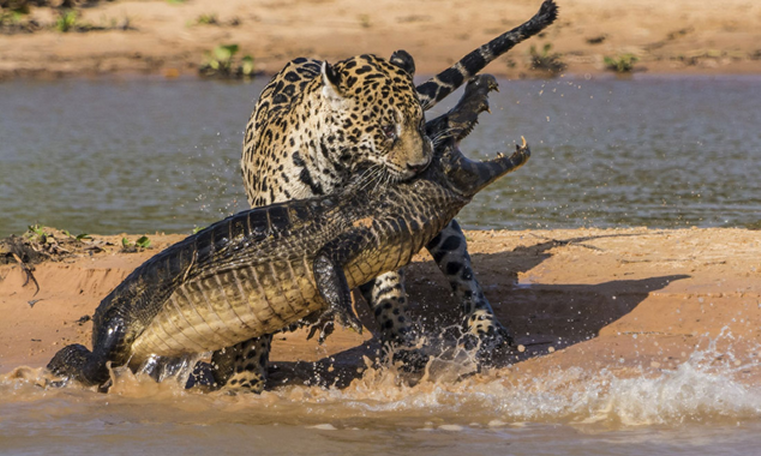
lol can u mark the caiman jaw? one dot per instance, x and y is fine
(468, 177)
(465, 117)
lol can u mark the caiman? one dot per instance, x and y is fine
(261, 270)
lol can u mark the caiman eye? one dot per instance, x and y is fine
(390, 132)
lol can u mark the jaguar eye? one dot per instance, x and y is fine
(389, 131)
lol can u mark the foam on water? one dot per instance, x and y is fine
(700, 390)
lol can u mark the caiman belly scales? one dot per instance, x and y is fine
(252, 273)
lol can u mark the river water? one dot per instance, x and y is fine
(152, 155)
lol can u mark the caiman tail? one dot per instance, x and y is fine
(444, 83)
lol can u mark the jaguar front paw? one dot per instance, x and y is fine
(485, 335)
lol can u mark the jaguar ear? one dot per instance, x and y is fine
(403, 60)
(331, 81)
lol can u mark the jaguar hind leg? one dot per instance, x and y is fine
(449, 248)
(387, 299)
(243, 367)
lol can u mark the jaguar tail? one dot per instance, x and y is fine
(444, 83)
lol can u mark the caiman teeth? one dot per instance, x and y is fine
(466, 131)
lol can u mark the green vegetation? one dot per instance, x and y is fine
(364, 21)
(11, 17)
(142, 243)
(67, 21)
(549, 62)
(207, 19)
(35, 232)
(247, 66)
(39, 234)
(40, 243)
(78, 237)
(14, 17)
(24, 5)
(623, 63)
(221, 58)
(213, 19)
(15, 6)
(221, 63)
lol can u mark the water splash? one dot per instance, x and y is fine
(703, 389)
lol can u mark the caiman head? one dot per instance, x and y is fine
(468, 177)
(465, 176)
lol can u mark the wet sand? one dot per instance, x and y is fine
(680, 36)
(626, 301)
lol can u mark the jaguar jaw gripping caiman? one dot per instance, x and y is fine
(261, 270)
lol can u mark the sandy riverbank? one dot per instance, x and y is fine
(680, 36)
(625, 300)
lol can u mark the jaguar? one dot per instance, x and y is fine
(315, 125)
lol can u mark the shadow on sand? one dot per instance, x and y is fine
(540, 316)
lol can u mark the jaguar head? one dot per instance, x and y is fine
(376, 116)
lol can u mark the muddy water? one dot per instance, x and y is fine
(692, 409)
(142, 156)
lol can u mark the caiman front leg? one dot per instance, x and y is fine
(331, 279)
